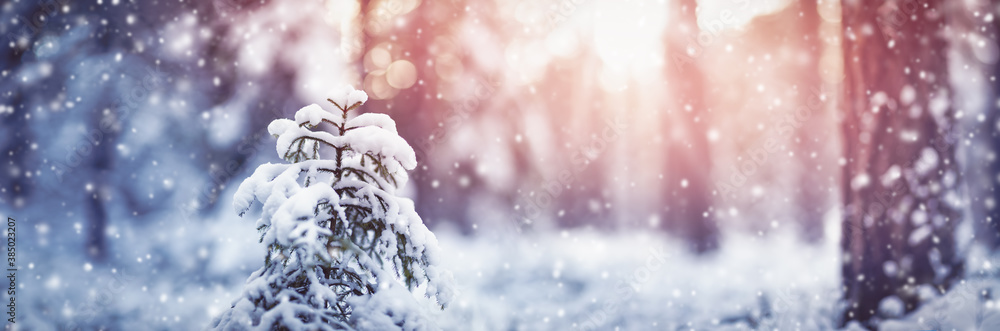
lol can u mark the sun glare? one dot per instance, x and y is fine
(717, 15)
(628, 38)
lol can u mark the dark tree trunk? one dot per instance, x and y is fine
(687, 196)
(100, 189)
(897, 234)
(17, 188)
(97, 222)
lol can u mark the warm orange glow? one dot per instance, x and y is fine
(401, 74)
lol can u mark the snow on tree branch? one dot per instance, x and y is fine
(341, 244)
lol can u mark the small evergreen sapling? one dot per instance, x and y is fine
(339, 239)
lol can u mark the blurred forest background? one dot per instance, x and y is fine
(127, 125)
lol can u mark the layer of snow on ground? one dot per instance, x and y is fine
(634, 281)
(573, 280)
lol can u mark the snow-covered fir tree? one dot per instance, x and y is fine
(341, 244)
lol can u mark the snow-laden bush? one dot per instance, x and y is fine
(340, 243)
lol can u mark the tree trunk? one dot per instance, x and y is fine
(899, 182)
(687, 197)
(100, 189)
(990, 205)
(97, 222)
(984, 162)
(417, 110)
(812, 198)
(584, 201)
(18, 187)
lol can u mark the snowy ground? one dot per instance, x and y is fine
(633, 281)
(970, 305)
(642, 281)
(573, 280)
